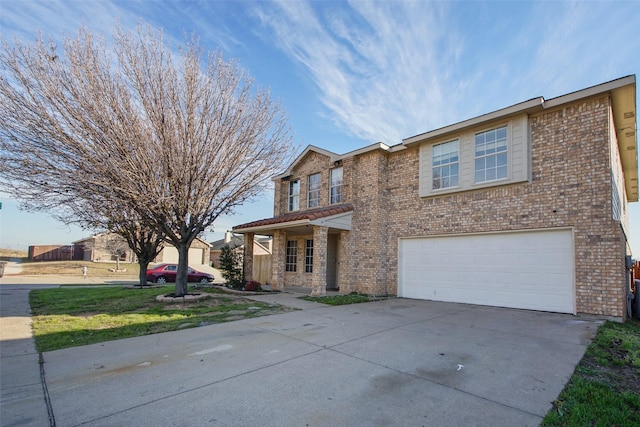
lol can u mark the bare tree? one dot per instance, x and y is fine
(145, 242)
(100, 214)
(112, 244)
(177, 142)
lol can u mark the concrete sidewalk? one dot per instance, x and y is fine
(392, 362)
(22, 397)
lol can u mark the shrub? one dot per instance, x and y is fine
(253, 286)
(231, 266)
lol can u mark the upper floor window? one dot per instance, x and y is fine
(294, 195)
(446, 165)
(335, 186)
(313, 191)
(498, 154)
(491, 155)
(291, 255)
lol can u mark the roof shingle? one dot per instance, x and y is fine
(310, 215)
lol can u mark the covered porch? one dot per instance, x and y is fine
(310, 248)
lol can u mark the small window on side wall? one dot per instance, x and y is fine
(291, 263)
(335, 186)
(308, 257)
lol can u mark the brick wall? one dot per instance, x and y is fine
(569, 186)
(312, 163)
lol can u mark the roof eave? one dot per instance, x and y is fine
(535, 104)
(623, 101)
(259, 229)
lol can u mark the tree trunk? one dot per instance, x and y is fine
(118, 262)
(142, 277)
(183, 266)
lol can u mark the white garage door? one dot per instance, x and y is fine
(170, 255)
(532, 270)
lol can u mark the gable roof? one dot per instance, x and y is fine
(336, 157)
(236, 241)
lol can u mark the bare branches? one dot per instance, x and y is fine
(174, 142)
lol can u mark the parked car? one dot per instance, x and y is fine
(164, 273)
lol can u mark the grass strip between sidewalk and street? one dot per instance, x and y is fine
(604, 389)
(68, 317)
(352, 298)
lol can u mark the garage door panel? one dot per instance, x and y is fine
(170, 255)
(532, 270)
(195, 256)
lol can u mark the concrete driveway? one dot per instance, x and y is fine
(394, 362)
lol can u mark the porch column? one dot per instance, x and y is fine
(344, 263)
(248, 256)
(278, 260)
(319, 278)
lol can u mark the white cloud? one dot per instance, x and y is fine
(383, 69)
(388, 70)
(55, 18)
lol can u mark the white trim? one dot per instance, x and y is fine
(341, 221)
(535, 104)
(277, 226)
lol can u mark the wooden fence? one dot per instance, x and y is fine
(262, 269)
(55, 253)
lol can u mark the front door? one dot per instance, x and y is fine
(332, 261)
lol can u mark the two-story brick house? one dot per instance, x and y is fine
(524, 207)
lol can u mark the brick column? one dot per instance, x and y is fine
(344, 263)
(278, 259)
(248, 256)
(319, 278)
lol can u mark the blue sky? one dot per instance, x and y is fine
(353, 73)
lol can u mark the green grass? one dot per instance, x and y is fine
(67, 317)
(604, 389)
(353, 298)
(617, 344)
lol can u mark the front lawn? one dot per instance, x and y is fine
(68, 317)
(605, 387)
(353, 298)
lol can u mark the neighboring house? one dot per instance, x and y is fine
(524, 207)
(198, 253)
(260, 247)
(103, 247)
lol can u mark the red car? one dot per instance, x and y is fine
(164, 273)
